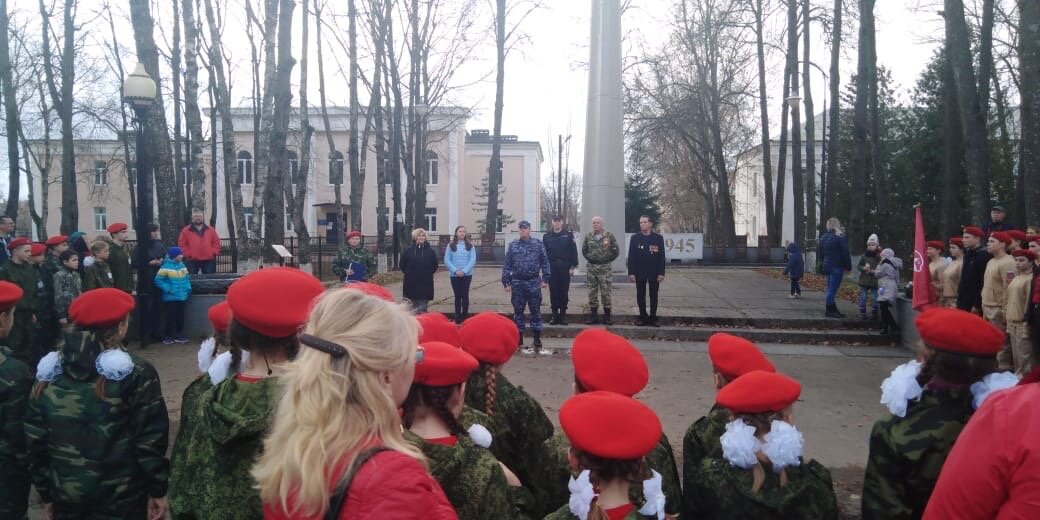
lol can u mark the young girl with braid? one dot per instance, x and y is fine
(476, 483)
(518, 422)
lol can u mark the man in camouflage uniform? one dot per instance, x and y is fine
(20, 271)
(353, 253)
(16, 382)
(525, 258)
(119, 258)
(600, 249)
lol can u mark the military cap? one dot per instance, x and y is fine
(274, 302)
(18, 242)
(444, 364)
(1024, 252)
(490, 337)
(56, 240)
(1018, 234)
(437, 327)
(220, 316)
(37, 249)
(610, 425)
(116, 227)
(733, 356)
(100, 308)
(524, 224)
(759, 391)
(972, 230)
(937, 244)
(371, 289)
(1000, 236)
(605, 361)
(353, 233)
(957, 331)
(997, 207)
(957, 241)
(9, 295)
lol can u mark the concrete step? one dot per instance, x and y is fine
(759, 335)
(821, 323)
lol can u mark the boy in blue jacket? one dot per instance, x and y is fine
(172, 279)
(794, 269)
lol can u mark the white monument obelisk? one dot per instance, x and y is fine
(603, 184)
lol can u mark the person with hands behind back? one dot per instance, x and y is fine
(646, 263)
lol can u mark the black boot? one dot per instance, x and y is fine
(537, 343)
(561, 319)
(593, 317)
(832, 312)
(606, 316)
(521, 343)
(555, 320)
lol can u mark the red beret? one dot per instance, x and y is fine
(18, 242)
(444, 365)
(353, 233)
(759, 391)
(100, 308)
(957, 241)
(56, 240)
(1032, 238)
(37, 249)
(605, 361)
(490, 337)
(972, 230)
(1000, 236)
(1018, 234)
(1024, 252)
(937, 244)
(733, 356)
(9, 295)
(116, 228)
(371, 289)
(220, 316)
(609, 425)
(954, 330)
(274, 302)
(437, 327)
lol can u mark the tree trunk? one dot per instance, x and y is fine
(857, 202)
(378, 35)
(266, 162)
(1029, 59)
(178, 135)
(11, 121)
(417, 122)
(781, 165)
(810, 127)
(193, 116)
(61, 99)
(763, 109)
(357, 182)
(42, 165)
(976, 149)
(126, 135)
(834, 142)
(392, 74)
(494, 167)
(274, 194)
(303, 237)
(335, 166)
(952, 164)
(213, 154)
(877, 163)
(797, 179)
(985, 45)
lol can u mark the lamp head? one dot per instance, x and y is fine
(139, 88)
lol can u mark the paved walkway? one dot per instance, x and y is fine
(717, 292)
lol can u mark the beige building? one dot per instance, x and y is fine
(456, 164)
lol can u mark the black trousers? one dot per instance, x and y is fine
(149, 310)
(641, 296)
(559, 285)
(174, 317)
(460, 287)
(887, 319)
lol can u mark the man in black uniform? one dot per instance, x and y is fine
(646, 267)
(563, 258)
(996, 222)
(973, 271)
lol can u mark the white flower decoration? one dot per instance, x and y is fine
(783, 445)
(900, 387)
(654, 495)
(114, 364)
(739, 444)
(218, 370)
(206, 351)
(581, 495)
(989, 384)
(49, 367)
(480, 436)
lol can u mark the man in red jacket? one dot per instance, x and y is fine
(200, 244)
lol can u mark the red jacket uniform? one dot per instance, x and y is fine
(389, 486)
(199, 247)
(994, 468)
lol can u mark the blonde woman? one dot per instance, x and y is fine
(336, 449)
(833, 247)
(418, 263)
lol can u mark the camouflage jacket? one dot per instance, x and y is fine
(119, 263)
(471, 478)
(67, 287)
(98, 453)
(702, 441)
(556, 474)
(524, 260)
(97, 276)
(350, 254)
(225, 441)
(183, 463)
(519, 425)
(44, 297)
(564, 513)
(598, 251)
(906, 454)
(16, 382)
(26, 277)
(722, 491)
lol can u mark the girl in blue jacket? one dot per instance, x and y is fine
(460, 258)
(172, 279)
(794, 269)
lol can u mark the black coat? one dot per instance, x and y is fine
(646, 256)
(973, 272)
(144, 253)
(561, 249)
(418, 265)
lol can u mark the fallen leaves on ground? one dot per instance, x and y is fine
(849, 291)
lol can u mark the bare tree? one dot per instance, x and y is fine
(757, 9)
(278, 163)
(1029, 56)
(834, 143)
(60, 87)
(810, 124)
(797, 180)
(335, 158)
(196, 177)
(298, 205)
(11, 121)
(357, 180)
(264, 158)
(860, 153)
(378, 31)
(495, 164)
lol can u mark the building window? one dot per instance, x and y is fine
(388, 176)
(336, 167)
(431, 168)
(288, 219)
(501, 221)
(431, 220)
(100, 219)
(294, 167)
(248, 213)
(132, 175)
(100, 173)
(245, 167)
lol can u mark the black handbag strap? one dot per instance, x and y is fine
(339, 496)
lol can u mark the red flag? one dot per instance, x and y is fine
(924, 293)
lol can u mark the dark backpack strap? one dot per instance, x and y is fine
(339, 496)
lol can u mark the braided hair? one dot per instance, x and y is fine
(490, 373)
(436, 398)
(602, 470)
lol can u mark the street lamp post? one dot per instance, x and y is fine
(419, 112)
(139, 91)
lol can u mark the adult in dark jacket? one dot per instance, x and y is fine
(563, 258)
(996, 221)
(6, 235)
(834, 248)
(646, 267)
(418, 263)
(148, 256)
(795, 268)
(973, 270)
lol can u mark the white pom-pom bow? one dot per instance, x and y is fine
(783, 445)
(581, 495)
(114, 364)
(88, 261)
(900, 387)
(49, 367)
(480, 435)
(206, 351)
(654, 495)
(989, 384)
(739, 444)
(218, 370)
